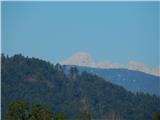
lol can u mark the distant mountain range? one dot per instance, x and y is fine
(133, 76)
(134, 81)
(84, 59)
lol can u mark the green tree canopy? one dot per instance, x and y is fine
(22, 111)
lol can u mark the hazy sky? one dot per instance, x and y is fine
(114, 31)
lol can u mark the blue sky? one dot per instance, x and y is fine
(114, 31)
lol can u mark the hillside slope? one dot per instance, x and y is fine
(31, 79)
(134, 81)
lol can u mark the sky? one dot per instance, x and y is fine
(53, 31)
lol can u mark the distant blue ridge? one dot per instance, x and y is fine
(134, 81)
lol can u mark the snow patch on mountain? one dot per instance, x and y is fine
(84, 59)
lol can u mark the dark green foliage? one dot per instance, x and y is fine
(40, 113)
(156, 116)
(31, 79)
(60, 116)
(84, 115)
(18, 111)
(23, 111)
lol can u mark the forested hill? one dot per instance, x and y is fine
(32, 79)
(134, 81)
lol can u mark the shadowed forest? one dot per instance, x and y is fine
(33, 89)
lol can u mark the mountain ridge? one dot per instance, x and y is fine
(84, 59)
(131, 80)
(32, 79)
